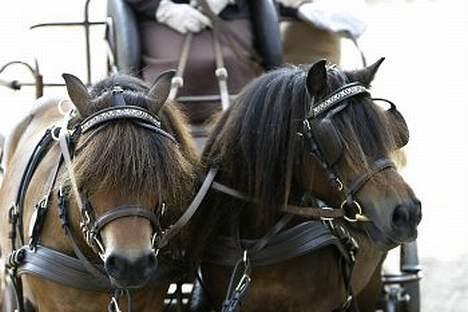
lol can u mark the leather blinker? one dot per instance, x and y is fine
(328, 140)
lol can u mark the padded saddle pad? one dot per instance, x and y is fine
(161, 47)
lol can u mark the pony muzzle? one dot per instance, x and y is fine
(126, 272)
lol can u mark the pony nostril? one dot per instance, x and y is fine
(115, 266)
(400, 216)
(151, 260)
(149, 264)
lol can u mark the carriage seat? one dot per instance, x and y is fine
(135, 46)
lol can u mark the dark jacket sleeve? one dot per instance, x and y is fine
(145, 7)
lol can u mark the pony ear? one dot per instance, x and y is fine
(160, 89)
(78, 94)
(367, 74)
(317, 78)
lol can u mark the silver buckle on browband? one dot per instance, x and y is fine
(119, 113)
(337, 97)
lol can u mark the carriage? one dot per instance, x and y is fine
(127, 51)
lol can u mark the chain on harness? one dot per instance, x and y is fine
(237, 291)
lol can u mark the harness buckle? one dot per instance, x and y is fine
(36, 222)
(339, 184)
(155, 242)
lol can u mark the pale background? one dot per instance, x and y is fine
(426, 45)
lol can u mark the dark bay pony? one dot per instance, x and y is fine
(294, 134)
(129, 176)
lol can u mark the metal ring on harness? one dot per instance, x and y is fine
(358, 215)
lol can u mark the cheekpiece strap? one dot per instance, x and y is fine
(337, 97)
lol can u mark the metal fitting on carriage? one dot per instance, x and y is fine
(13, 214)
(221, 73)
(15, 258)
(177, 82)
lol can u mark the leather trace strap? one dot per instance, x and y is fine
(178, 79)
(221, 72)
(233, 39)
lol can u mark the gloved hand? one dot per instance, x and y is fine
(217, 6)
(344, 17)
(181, 17)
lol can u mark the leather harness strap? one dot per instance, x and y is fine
(314, 213)
(178, 80)
(322, 212)
(124, 212)
(378, 166)
(293, 242)
(230, 36)
(69, 271)
(185, 218)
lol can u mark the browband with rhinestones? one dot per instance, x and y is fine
(336, 97)
(119, 112)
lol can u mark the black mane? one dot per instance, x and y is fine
(255, 142)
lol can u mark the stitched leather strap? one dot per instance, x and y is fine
(314, 212)
(58, 267)
(296, 241)
(124, 212)
(378, 166)
(307, 212)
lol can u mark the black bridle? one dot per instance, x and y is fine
(324, 143)
(82, 273)
(90, 224)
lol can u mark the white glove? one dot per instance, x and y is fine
(217, 6)
(181, 17)
(344, 17)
